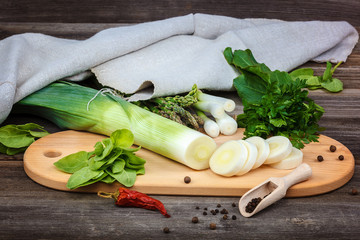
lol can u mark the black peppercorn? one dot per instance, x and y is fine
(217, 210)
(233, 204)
(233, 217)
(212, 226)
(204, 213)
(320, 158)
(195, 219)
(225, 217)
(205, 209)
(332, 148)
(166, 230)
(187, 179)
(341, 157)
(218, 205)
(197, 207)
(224, 211)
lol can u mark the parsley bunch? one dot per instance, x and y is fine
(274, 103)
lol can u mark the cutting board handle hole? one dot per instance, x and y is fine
(52, 154)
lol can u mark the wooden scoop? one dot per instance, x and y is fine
(273, 189)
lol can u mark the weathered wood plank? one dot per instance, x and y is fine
(26, 207)
(122, 11)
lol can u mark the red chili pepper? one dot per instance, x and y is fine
(130, 198)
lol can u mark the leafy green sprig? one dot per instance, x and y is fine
(274, 103)
(325, 81)
(111, 160)
(16, 138)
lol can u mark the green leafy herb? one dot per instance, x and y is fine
(111, 160)
(325, 81)
(274, 103)
(16, 138)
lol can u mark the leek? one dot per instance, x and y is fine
(66, 104)
(228, 104)
(211, 128)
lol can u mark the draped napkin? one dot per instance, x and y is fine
(168, 56)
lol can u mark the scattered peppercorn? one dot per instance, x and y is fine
(212, 226)
(320, 158)
(218, 205)
(332, 148)
(204, 213)
(166, 230)
(195, 219)
(187, 179)
(224, 211)
(217, 210)
(341, 157)
(233, 204)
(205, 209)
(233, 217)
(225, 217)
(197, 207)
(213, 212)
(354, 191)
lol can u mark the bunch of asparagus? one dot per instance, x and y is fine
(189, 110)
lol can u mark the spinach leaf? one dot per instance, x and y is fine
(73, 162)
(122, 138)
(108, 179)
(80, 177)
(118, 166)
(112, 159)
(16, 138)
(126, 177)
(106, 150)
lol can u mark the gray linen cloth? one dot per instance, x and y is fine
(166, 57)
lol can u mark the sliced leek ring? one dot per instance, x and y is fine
(280, 148)
(263, 149)
(251, 158)
(229, 158)
(294, 159)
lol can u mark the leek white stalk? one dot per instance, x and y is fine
(211, 128)
(228, 104)
(66, 105)
(216, 109)
(227, 124)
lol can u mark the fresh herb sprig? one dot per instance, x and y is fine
(111, 160)
(16, 138)
(325, 81)
(274, 103)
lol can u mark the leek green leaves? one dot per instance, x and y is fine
(16, 138)
(111, 160)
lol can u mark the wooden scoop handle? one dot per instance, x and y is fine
(301, 173)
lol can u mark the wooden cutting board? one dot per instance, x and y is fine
(164, 176)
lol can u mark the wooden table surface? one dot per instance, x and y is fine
(31, 211)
